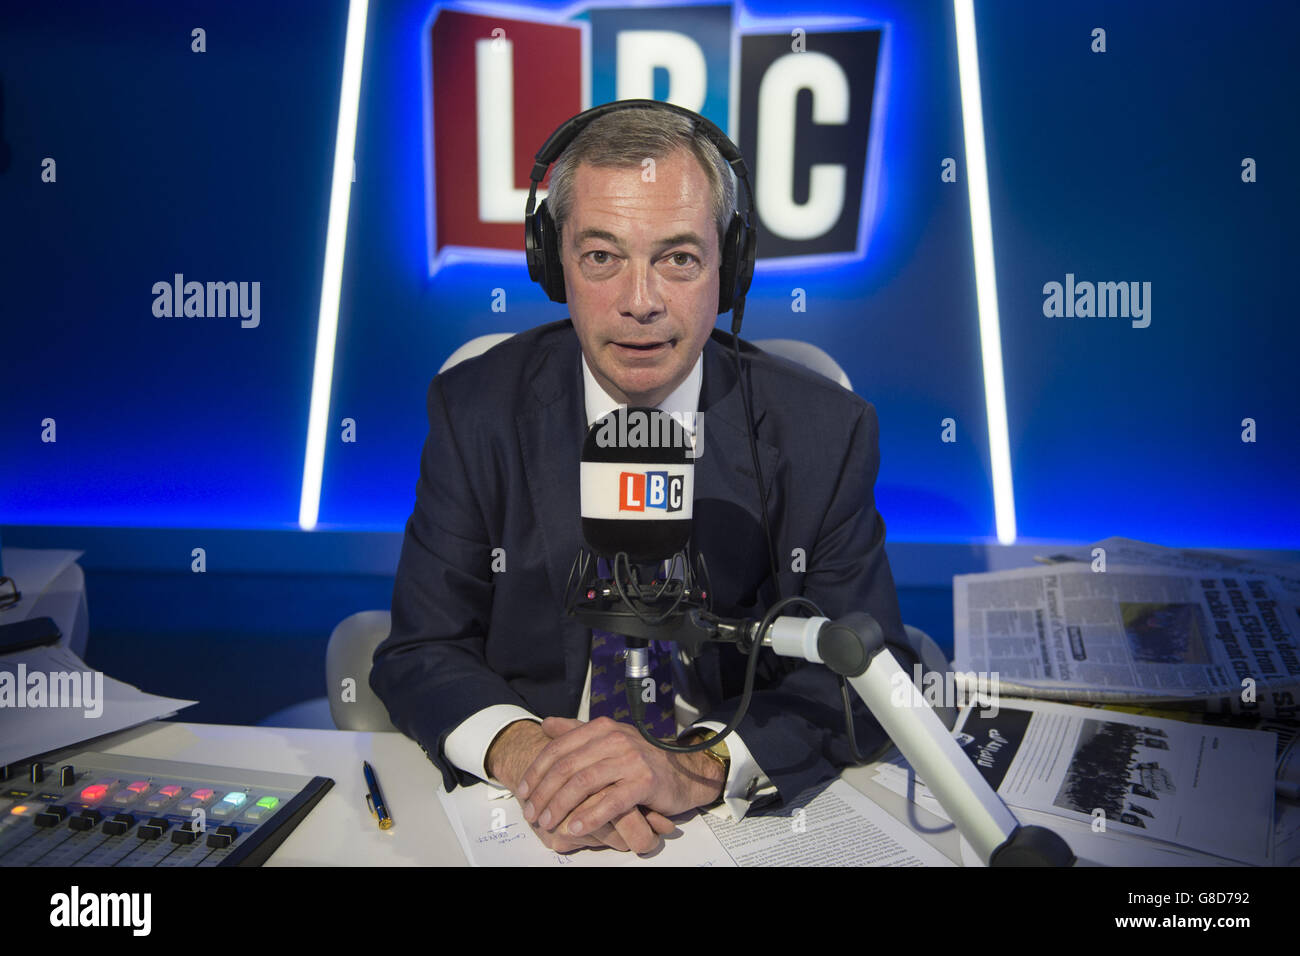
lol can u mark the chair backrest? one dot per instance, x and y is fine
(349, 656)
(807, 355)
(475, 346)
(352, 644)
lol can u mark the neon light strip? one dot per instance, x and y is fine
(986, 286)
(322, 381)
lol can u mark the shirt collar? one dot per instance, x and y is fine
(682, 404)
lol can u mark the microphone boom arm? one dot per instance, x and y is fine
(855, 648)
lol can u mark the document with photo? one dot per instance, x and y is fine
(1208, 789)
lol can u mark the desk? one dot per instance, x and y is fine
(340, 830)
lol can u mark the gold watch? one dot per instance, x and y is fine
(718, 752)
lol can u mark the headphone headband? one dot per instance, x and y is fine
(541, 235)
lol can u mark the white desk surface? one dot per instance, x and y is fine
(340, 831)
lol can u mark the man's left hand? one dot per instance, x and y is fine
(592, 773)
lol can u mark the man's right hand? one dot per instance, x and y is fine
(513, 752)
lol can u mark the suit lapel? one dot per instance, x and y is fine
(551, 432)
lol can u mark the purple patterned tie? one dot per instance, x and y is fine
(608, 687)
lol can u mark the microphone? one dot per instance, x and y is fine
(638, 492)
(638, 485)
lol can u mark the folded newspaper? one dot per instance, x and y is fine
(1194, 628)
(1143, 553)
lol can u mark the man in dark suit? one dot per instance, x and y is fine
(479, 648)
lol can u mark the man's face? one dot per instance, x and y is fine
(641, 274)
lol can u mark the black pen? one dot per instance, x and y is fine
(375, 798)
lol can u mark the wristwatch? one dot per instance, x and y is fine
(718, 751)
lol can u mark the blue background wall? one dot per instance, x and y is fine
(1117, 166)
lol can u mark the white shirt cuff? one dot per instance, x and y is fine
(468, 744)
(746, 781)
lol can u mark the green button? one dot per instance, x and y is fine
(269, 803)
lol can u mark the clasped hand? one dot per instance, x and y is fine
(601, 784)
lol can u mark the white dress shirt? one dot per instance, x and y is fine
(468, 744)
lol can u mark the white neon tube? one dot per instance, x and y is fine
(322, 380)
(986, 285)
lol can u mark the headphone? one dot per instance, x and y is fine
(541, 237)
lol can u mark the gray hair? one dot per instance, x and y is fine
(626, 138)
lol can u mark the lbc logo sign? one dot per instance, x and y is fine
(804, 101)
(638, 491)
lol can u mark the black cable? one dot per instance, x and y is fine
(858, 757)
(737, 315)
(751, 669)
(746, 397)
(622, 559)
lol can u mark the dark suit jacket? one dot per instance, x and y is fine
(500, 470)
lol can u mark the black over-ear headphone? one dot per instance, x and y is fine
(541, 238)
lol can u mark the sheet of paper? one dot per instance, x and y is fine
(835, 827)
(1203, 788)
(50, 699)
(492, 831)
(32, 570)
(1092, 848)
(1287, 732)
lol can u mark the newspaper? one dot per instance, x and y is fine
(1115, 775)
(1128, 551)
(1067, 632)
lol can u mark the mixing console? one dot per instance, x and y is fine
(96, 809)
